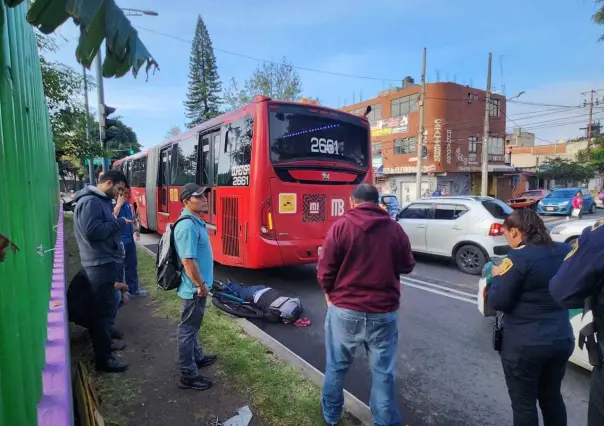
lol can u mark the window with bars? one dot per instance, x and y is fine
(405, 105)
(473, 144)
(405, 146)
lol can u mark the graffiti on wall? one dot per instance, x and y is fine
(449, 148)
(467, 163)
(390, 126)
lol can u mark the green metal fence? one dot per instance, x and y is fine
(29, 204)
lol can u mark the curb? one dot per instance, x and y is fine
(352, 404)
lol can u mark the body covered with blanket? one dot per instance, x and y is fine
(276, 306)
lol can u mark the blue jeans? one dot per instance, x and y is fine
(131, 267)
(245, 293)
(117, 300)
(345, 330)
(189, 349)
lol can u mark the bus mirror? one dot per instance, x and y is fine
(367, 111)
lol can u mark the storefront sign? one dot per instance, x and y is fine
(391, 125)
(381, 132)
(407, 169)
(469, 168)
(437, 139)
(496, 157)
(449, 149)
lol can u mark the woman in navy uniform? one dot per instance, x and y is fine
(582, 276)
(537, 336)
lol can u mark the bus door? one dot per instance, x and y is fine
(206, 176)
(164, 181)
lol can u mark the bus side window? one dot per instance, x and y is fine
(205, 161)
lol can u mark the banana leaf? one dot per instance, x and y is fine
(98, 20)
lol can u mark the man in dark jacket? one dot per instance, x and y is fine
(359, 269)
(581, 279)
(97, 233)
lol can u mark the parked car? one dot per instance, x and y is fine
(560, 202)
(569, 231)
(528, 199)
(467, 229)
(390, 204)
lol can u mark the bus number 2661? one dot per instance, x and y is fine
(324, 146)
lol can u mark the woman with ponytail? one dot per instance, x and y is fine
(537, 338)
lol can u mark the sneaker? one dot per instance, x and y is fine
(116, 334)
(140, 293)
(118, 346)
(206, 361)
(112, 366)
(196, 383)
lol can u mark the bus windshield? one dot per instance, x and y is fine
(296, 133)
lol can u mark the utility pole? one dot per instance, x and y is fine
(88, 128)
(420, 135)
(484, 190)
(589, 130)
(101, 97)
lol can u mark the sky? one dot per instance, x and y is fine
(348, 50)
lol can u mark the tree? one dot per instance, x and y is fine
(275, 80)
(595, 156)
(174, 131)
(64, 91)
(566, 171)
(203, 97)
(124, 141)
(598, 17)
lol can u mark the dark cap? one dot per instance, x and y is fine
(192, 190)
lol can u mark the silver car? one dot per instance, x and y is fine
(569, 231)
(467, 229)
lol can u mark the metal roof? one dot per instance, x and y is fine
(98, 20)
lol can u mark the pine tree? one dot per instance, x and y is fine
(203, 97)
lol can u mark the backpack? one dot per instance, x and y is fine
(169, 266)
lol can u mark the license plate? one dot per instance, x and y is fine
(319, 250)
(549, 209)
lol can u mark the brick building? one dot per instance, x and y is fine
(453, 122)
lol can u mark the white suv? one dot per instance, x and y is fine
(466, 228)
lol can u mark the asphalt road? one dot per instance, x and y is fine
(447, 373)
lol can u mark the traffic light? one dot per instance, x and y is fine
(110, 124)
(131, 151)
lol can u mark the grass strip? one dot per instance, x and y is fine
(279, 394)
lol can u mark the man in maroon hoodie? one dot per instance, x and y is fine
(359, 269)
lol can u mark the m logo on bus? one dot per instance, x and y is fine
(325, 176)
(313, 208)
(337, 207)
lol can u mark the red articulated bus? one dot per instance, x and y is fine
(280, 174)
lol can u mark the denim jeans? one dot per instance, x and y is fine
(117, 300)
(131, 267)
(246, 293)
(189, 349)
(345, 330)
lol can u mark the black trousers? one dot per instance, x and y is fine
(102, 280)
(595, 413)
(534, 374)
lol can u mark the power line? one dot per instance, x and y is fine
(253, 58)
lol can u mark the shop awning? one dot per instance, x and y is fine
(98, 20)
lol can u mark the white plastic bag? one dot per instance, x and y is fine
(575, 212)
(482, 299)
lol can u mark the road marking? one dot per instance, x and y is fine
(441, 287)
(438, 289)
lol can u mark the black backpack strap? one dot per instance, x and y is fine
(175, 253)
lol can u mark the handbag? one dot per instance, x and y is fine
(576, 212)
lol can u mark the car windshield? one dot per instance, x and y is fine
(563, 193)
(497, 208)
(531, 194)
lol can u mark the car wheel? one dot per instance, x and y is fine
(592, 209)
(470, 259)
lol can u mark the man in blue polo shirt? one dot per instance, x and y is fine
(192, 244)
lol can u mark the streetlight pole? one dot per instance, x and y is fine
(485, 139)
(420, 135)
(88, 128)
(101, 89)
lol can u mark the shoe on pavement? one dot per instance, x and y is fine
(196, 383)
(206, 361)
(116, 334)
(118, 346)
(140, 293)
(112, 366)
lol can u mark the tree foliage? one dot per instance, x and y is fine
(565, 171)
(173, 131)
(124, 139)
(595, 156)
(275, 80)
(203, 97)
(598, 17)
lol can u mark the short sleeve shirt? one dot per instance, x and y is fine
(192, 241)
